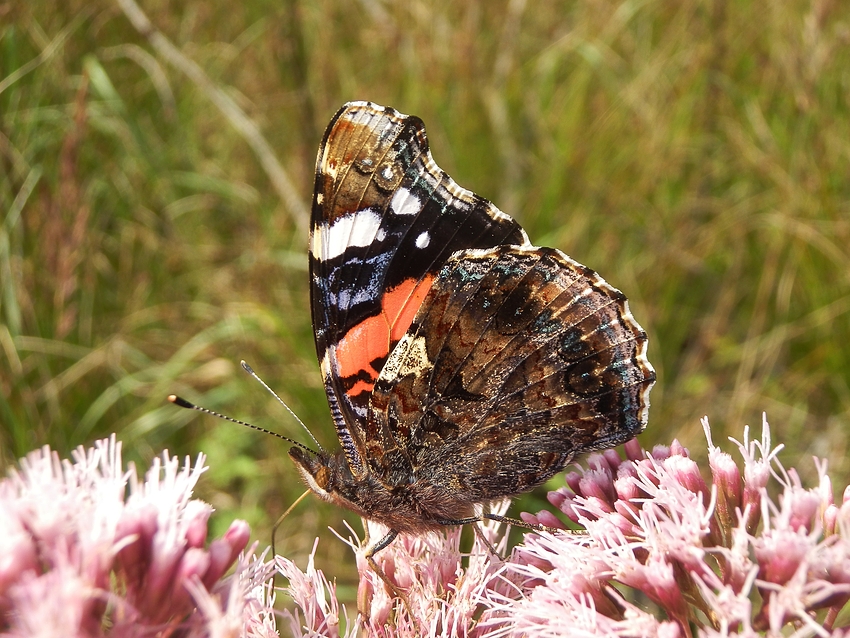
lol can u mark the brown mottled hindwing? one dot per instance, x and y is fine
(519, 359)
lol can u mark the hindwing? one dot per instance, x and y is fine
(518, 359)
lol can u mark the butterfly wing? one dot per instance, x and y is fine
(385, 219)
(519, 359)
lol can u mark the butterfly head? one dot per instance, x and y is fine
(329, 476)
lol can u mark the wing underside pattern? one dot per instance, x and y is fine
(529, 356)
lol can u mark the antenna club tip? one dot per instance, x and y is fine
(246, 367)
(183, 403)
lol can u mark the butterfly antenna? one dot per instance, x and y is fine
(183, 403)
(250, 371)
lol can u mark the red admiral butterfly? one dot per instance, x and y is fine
(461, 363)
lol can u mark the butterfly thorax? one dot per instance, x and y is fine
(413, 507)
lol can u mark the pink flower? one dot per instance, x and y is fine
(666, 551)
(87, 549)
(316, 599)
(444, 589)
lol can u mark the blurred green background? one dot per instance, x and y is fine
(695, 153)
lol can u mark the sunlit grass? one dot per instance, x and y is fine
(695, 154)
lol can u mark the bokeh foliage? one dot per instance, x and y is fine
(695, 153)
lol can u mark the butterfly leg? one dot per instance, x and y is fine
(476, 527)
(474, 520)
(518, 523)
(381, 544)
(392, 590)
(534, 527)
(500, 519)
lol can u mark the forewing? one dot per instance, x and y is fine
(518, 359)
(385, 220)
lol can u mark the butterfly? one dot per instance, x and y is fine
(462, 365)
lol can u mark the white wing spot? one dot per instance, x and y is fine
(410, 356)
(357, 229)
(423, 240)
(325, 364)
(405, 203)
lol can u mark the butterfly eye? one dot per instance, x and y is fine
(323, 478)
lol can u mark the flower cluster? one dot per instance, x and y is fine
(87, 549)
(663, 552)
(442, 588)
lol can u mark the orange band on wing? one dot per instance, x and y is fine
(401, 304)
(360, 387)
(365, 342)
(371, 338)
